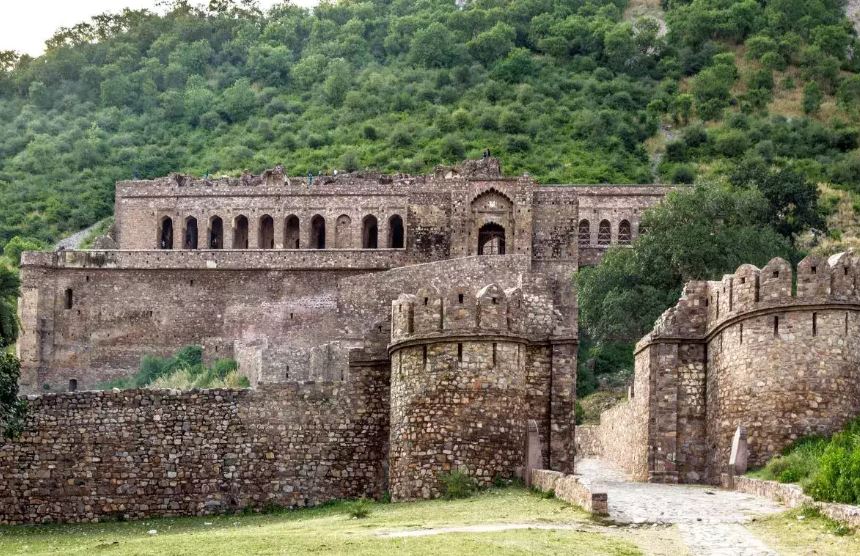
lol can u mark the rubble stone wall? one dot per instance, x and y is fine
(90, 456)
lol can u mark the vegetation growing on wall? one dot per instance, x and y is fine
(12, 410)
(183, 370)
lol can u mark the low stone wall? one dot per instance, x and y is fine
(793, 497)
(91, 456)
(620, 438)
(588, 441)
(571, 488)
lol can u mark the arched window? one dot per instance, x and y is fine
(165, 233)
(396, 235)
(317, 232)
(266, 236)
(190, 233)
(624, 236)
(216, 233)
(343, 232)
(240, 232)
(491, 240)
(604, 233)
(583, 233)
(369, 232)
(291, 232)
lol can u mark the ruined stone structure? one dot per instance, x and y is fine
(453, 290)
(779, 358)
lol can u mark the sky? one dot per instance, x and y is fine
(25, 25)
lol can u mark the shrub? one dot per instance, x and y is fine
(359, 509)
(184, 370)
(457, 484)
(683, 173)
(12, 410)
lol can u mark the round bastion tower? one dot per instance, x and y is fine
(458, 388)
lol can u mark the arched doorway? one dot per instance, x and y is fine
(165, 233)
(491, 230)
(369, 232)
(291, 232)
(190, 233)
(216, 233)
(317, 232)
(396, 235)
(240, 232)
(491, 239)
(266, 236)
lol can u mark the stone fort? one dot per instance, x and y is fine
(394, 328)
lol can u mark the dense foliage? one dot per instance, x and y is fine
(826, 468)
(558, 89)
(12, 410)
(9, 288)
(697, 233)
(183, 370)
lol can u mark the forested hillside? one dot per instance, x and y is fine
(569, 91)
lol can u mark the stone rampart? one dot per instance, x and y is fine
(91, 456)
(752, 350)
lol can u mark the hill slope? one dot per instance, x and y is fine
(567, 91)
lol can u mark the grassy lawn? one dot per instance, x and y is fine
(331, 530)
(800, 532)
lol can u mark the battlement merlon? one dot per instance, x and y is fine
(705, 306)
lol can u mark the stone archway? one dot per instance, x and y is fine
(491, 239)
(491, 224)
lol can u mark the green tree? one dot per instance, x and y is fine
(697, 233)
(238, 101)
(337, 83)
(9, 290)
(12, 410)
(432, 46)
(17, 245)
(812, 98)
(792, 199)
(493, 44)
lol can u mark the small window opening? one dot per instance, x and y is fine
(742, 333)
(70, 301)
(191, 282)
(846, 324)
(814, 269)
(494, 301)
(776, 326)
(707, 302)
(845, 269)
(424, 356)
(494, 354)
(291, 316)
(460, 353)
(287, 373)
(815, 324)
(755, 295)
(88, 278)
(743, 280)
(400, 308)
(426, 299)
(776, 274)
(460, 298)
(73, 385)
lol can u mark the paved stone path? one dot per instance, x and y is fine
(710, 520)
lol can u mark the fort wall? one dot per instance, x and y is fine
(468, 372)
(92, 456)
(765, 349)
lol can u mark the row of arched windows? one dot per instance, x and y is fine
(604, 233)
(213, 237)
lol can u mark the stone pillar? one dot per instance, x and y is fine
(280, 224)
(562, 407)
(663, 433)
(254, 231)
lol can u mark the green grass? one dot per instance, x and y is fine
(332, 530)
(802, 532)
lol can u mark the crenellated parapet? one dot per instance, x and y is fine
(705, 307)
(458, 311)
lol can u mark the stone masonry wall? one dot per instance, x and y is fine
(91, 456)
(750, 350)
